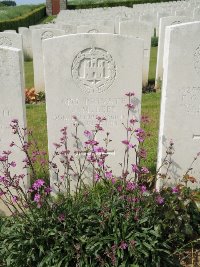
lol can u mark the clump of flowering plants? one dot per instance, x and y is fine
(117, 220)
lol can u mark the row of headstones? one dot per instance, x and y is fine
(90, 78)
(136, 29)
(148, 13)
(31, 41)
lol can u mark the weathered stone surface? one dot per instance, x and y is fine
(95, 29)
(90, 79)
(12, 106)
(143, 31)
(38, 36)
(11, 39)
(27, 42)
(180, 105)
(164, 22)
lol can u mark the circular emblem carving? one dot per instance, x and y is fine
(93, 70)
(197, 59)
(47, 35)
(4, 41)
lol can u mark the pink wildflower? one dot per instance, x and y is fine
(143, 188)
(88, 134)
(130, 106)
(108, 174)
(130, 186)
(175, 190)
(38, 184)
(37, 198)
(15, 198)
(123, 245)
(144, 170)
(130, 94)
(135, 168)
(160, 200)
(97, 177)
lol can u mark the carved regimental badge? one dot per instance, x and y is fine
(4, 41)
(47, 35)
(197, 59)
(94, 70)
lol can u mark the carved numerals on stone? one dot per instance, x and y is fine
(93, 70)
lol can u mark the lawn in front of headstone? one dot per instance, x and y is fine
(29, 78)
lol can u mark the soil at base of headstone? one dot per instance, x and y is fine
(190, 258)
(149, 88)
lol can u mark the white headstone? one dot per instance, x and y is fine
(90, 79)
(11, 39)
(12, 106)
(144, 31)
(164, 22)
(94, 29)
(180, 105)
(38, 36)
(27, 42)
(196, 13)
(12, 31)
(68, 28)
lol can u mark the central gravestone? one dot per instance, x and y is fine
(90, 80)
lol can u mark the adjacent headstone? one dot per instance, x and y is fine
(90, 79)
(180, 104)
(27, 42)
(149, 18)
(12, 31)
(94, 29)
(11, 39)
(12, 106)
(164, 22)
(143, 31)
(38, 36)
(68, 28)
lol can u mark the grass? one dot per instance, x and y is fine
(47, 19)
(37, 122)
(152, 67)
(151, 108)
(29, 77)
(16, 11)
(36, 115)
